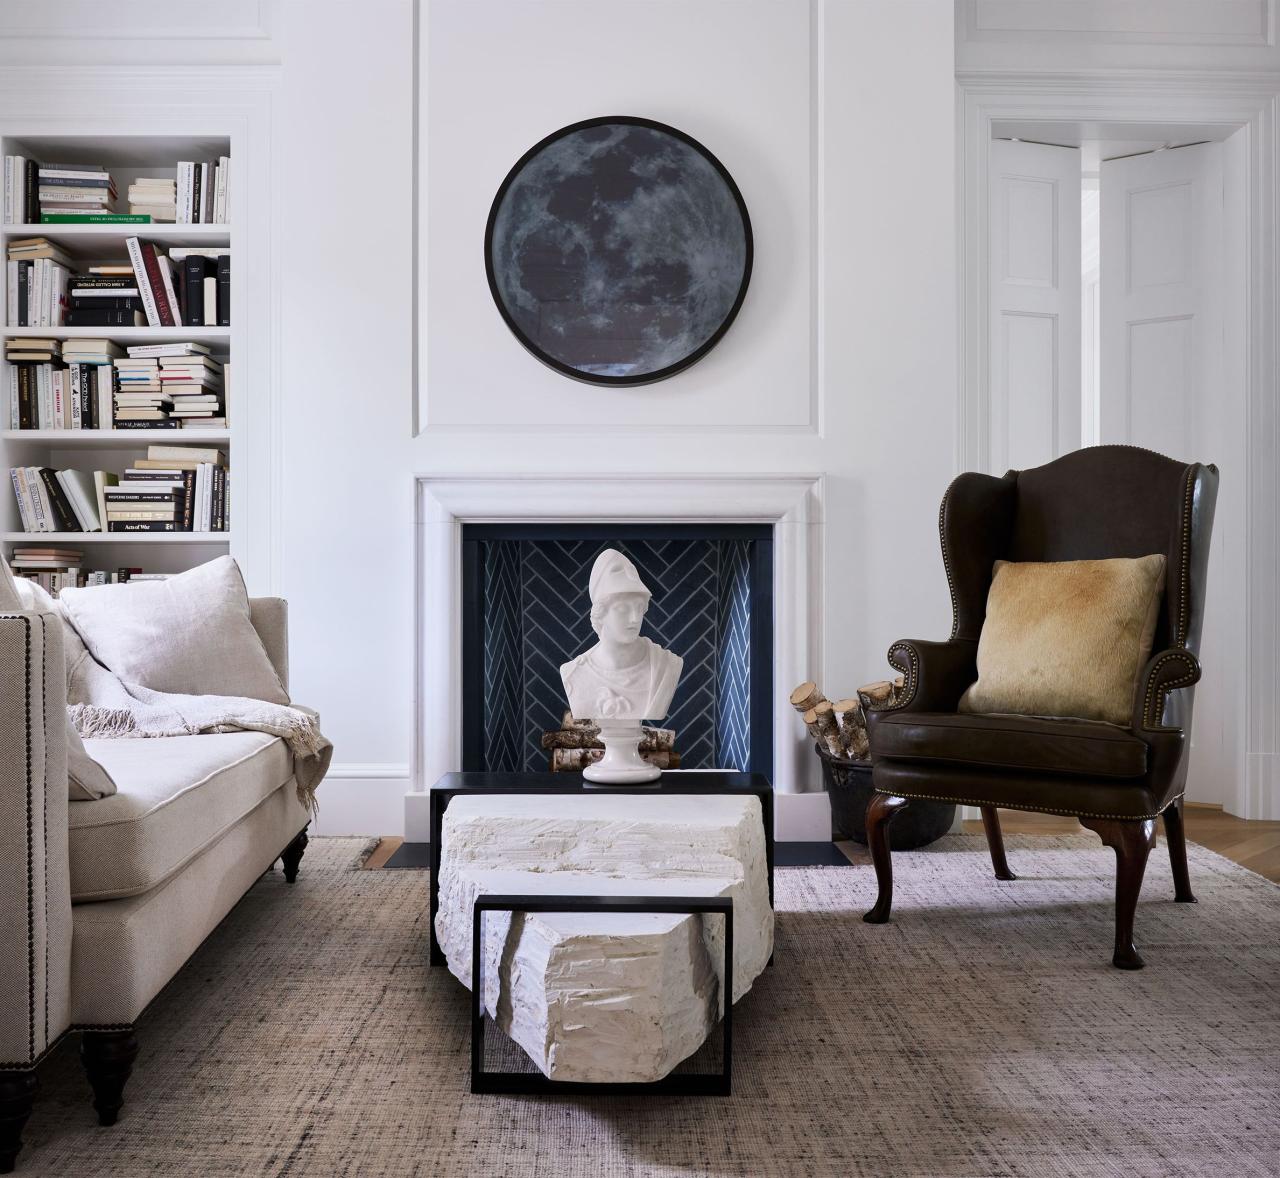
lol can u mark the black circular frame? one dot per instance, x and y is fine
(671, 369)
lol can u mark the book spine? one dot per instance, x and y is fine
(44, 395)
(95, 317)
(196, 193)
(24, 293)
(35, 307)
(27, 415)
(30, 186)
(168, 423)
(210, 318)
(11, 293)
(183, 201)
(24, 511)
(134, 246)
(155, 280)
(13, 397)
(31, 488)
(153, 525)
(224, 290)
(95, 218)
(193, 290)
(8, 190)
(66, 518)
(105, 384)
(127, 495)
(77, 393)
(188, 499)
(170, 295)
(219, 491)
(106, 302)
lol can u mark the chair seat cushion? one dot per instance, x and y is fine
(1035, 744)
(175, 796)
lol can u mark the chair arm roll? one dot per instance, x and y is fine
(935, 674)
(1164, 672)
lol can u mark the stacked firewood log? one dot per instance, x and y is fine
(576, 744)
(840, 726)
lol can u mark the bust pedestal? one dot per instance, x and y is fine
(622, 763)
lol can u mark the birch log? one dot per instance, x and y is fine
(806, 696)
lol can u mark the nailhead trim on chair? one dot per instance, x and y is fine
(1186, 555)
(946, 556)
(893, 793)
(1158, 692)
(911, 671)
(31, 915)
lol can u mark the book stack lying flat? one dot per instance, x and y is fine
(75, 189)
(194, 381)
(183, 488)
(576, 744)
(141, 403)
(57, 500)
(154, 197)
(53, 569)
(38, 273)
(105, 300)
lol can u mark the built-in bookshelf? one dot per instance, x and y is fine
(129, 160)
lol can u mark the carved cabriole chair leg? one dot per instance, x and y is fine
(1175, 836)
(880, 812)
(17, 1095)
(108, 1061)
(1132, 840)
(995, 843)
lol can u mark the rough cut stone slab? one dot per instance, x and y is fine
(605, 997)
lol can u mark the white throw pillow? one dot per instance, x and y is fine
(190, 634)
(86, 779)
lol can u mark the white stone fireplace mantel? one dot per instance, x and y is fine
(792, 504)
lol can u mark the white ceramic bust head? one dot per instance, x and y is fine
(624, 676)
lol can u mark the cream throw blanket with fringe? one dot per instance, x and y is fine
(101, 704)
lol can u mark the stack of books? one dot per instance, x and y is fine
(154, 197)
(202, 192)
(173, 489)
(195, 384)
(45, 395)
(38, 273)
(53, 569)
(140, 401)
(103, 297)
(75, 190)
(205, 284)
(92, 378)
(57, 500)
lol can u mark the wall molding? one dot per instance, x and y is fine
(358, 798)
(1246, 100)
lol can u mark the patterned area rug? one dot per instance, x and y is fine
(983, 1032)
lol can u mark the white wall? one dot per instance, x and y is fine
(837, 120)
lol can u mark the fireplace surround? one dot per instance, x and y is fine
(789, 505)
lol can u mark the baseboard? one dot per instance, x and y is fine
(362, 799)
(801, 818)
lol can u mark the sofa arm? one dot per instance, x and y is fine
(270, 618)
(35, 884)
(935, 674)
(1164, 672)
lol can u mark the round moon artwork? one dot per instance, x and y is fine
(618, 251)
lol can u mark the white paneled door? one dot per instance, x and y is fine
(1162, 297)
(1035, 303)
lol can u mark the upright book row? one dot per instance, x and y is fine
(197, 193)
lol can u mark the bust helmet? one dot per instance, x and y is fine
(611, 576)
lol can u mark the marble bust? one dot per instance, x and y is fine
(623, 678)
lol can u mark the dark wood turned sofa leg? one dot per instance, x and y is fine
(995, 842)
(1175, 836)
(880, 812)
(1132, 840)
(17, 1095)
(108, 1060)
(291, 856)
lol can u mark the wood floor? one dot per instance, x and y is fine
(1255, 845)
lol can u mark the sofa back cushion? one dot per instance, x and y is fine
(1067, 638)
(190, 634)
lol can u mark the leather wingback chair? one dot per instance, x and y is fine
(1100, 502)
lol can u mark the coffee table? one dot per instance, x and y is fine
(453, 785)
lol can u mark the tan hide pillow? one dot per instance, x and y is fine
(190, 634)
(1067, 638)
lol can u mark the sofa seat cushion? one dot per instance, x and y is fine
(1035, 744)
(175, 796)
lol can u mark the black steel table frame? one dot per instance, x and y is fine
(442, 795)
(535, 1083)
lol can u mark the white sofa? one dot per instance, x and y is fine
(101, 902)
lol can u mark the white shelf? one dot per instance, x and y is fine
(125, 335)
(63, 438)
(165, 231)
(42, 538)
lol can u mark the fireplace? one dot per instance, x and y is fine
(788, 506)
(525, 611)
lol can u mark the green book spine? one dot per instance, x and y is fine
(95, 218)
